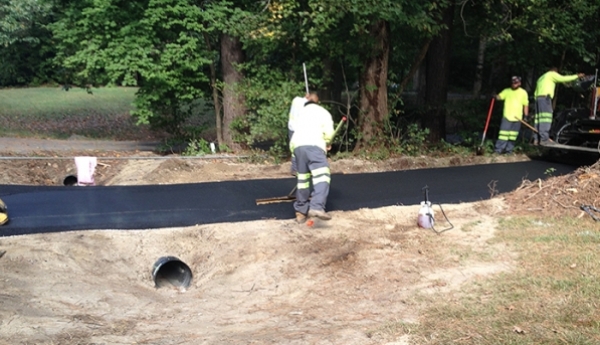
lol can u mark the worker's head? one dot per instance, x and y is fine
(515, 82)
(312, 96)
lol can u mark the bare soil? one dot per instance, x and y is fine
(351, 280)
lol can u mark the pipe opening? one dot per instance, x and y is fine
(70, 180)
(170, 271)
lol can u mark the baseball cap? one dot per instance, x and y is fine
(515, 79)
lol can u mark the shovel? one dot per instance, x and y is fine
(480, 149)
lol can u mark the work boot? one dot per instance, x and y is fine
(546, 143)
(319, 214)
(300, 217)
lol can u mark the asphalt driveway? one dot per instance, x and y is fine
(38, 209)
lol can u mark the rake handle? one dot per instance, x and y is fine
(487, 122)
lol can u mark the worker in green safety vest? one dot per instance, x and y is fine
(516, 104)
(544, 93)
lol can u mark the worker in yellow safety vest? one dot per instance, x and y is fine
(516, 104)
(544, 93)
(313, 132)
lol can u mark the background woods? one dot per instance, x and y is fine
(226, 70)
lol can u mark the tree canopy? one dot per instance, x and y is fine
(244, 58)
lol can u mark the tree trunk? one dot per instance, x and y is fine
(436, 89)
(373, 86)
(215, 94)
(333, 83)
(415, 67)
(479, 68)
(234, 103)
(325, 93)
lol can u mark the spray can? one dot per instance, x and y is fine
(425, 218)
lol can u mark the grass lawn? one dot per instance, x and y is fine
(48, 102)
(55, 113)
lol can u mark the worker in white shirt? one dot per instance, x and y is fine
(313, 132)
(297, 105)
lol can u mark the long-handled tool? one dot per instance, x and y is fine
(529, 126)
(291, 196)
(533, 129)
(305, 78)
(594, 107)
(480, 149)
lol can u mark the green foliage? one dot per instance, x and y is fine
(157, 45)
(26, 49)
(467, 119)
(197, 147)
(550, 171)
(167, 47)
(411, 140)
(27, 63)
(444, 148)
(408, 139)
(268, 98)
(18, 18)
(534, 33)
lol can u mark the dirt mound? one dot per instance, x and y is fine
(50, 168)
(560, 195)
(346, 281)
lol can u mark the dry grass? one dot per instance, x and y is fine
(562, 195)
(551, 297)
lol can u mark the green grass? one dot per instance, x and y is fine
(49, 102)
(551, 296)
(53, 101)
(55, 113)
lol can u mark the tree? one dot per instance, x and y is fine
(177, 52)
(373, 81)
(368, 25)
(25, 47)
(438, 69)
(18, 17)
(159, 45)
(234, 102)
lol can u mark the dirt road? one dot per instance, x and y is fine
(28, 145)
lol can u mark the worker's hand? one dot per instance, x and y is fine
(328, 147)
(581, 75)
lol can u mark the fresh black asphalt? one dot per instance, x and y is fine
(39, 209)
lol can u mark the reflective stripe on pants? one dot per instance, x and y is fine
(313, 170)
(543, 117)
(509, 131)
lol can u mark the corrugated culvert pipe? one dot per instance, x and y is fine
(170, 271)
